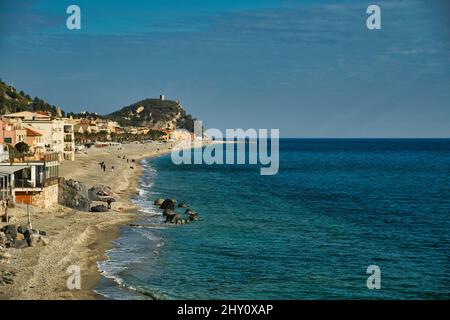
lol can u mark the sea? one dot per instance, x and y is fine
(336, 207)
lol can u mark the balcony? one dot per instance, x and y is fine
(48, 157)
(26, 184)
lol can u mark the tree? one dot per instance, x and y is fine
(22, 147)
(21, 150)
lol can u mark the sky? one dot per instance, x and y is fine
(309, 68)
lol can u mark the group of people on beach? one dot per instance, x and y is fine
(103, 166)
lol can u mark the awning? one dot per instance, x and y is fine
(11, 169)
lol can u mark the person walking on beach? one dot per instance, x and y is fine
(104, 167)
(112, 169)
(109, 203)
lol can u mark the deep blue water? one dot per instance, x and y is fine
(309, 232)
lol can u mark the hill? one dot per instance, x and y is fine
(12, 101)
(150, 113)
(154, 114)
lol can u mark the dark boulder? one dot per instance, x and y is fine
(173, 218)
(100, 208)
(28, 237)
(167, 212)
(168, 204)
(193, 217)
(189, 211)
(22, 229)
(182, 205)
(10, 231)
(19, 244)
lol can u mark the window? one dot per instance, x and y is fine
(8, 140)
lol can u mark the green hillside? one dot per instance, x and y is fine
(12, 101)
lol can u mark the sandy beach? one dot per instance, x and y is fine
(75, 237)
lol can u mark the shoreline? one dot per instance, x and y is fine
(76, 237)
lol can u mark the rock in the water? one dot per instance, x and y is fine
(182, 205)
(168, 204)
(158, 202)
(193, 217)
(173, 218)
(73, 194)
(100, 208)
(189, 211)
(167, 212)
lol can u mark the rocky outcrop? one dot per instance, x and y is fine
(74, 194)
(101, 193)
(168, 204)
(171, 216)
(174, 218)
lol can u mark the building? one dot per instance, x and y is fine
(31, 182)
(34, 140)
(107, 125)
(131, 130)
(84, 126)
(119, 130)
(11, 131)
(54, 131)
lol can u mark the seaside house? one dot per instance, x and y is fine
(33, 182)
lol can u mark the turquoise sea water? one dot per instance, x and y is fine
(309, 232)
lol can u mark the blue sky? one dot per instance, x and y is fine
(309, 68)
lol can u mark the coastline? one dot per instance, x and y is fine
(76, 237)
